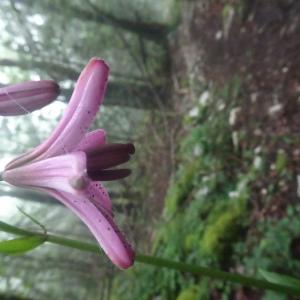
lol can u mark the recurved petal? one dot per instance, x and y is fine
(102, 227)
(83, 106)
(99, 196)
(23, 98)
(65, 173)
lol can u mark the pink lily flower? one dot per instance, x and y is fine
(71, 162)
(25, 97)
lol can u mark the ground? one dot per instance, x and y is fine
(255, 45)
(222, 175)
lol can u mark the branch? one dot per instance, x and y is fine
(67, 71)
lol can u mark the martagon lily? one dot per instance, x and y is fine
(69, 164)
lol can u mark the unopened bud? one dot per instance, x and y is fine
(23, 98)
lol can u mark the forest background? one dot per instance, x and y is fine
(208, 91)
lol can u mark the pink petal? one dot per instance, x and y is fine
(92, 141)
(22, 98)
(102, 227)
(65, 173)
(97, 193)
(84, 104)
(20, 160)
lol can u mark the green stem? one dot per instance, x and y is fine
(159, 262)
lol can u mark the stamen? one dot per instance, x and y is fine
(108, 175)
(106, 157)
(116, 147)
(106, 161)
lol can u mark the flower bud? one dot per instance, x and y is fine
(23, 98)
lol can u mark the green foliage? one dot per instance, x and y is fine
(215, 212)
(280, 279)
(222, 231)
(181, 187)
(21, 245)
(269, 249)
(189, 294)
(281, 161)
(269, 295)
(199, 291)
(270, 246)
(205, 207)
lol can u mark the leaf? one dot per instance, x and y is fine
(281, 279)
(21, 245)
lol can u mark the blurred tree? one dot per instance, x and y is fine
(92, 12)
(56, 43)
(55, 39)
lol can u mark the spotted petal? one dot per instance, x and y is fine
(98, 195)
(102, 227)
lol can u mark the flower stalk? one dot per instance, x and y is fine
(158, 262)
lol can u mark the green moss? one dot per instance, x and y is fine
(281, 161)
(270, 246)
(219, 234)
(204, 289)
(196, 292)
(181, 188)
(223, 227)
(190, 241)
(189, 294)
(169, 238)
